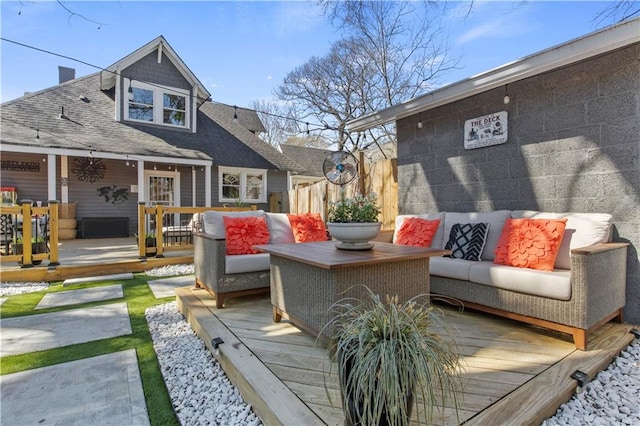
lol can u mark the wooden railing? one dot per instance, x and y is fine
(34, 239)
(163, 228)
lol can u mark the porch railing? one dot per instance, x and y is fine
(162, 228)
(28, 234)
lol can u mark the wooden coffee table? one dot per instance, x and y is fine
(308, 278)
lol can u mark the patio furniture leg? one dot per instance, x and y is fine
(277, 315)
(219, 300)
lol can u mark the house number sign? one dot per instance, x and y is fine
(486, 130)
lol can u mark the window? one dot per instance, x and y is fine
(242, 185)
(156, 104)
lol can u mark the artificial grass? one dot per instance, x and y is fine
(138, 297)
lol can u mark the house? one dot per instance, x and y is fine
(310, 159)
(568, 139)
(144, 130)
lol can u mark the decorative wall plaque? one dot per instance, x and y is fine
(88, 169)
(486, 130)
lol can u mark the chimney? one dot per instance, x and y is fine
(65, 74)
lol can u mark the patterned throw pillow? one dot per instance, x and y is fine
(467, 240)
(417, 232)
(530, 243)
(308, 227)
(245, 232)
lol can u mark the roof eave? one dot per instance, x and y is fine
(590, 45)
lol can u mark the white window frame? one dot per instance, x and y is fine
(158, 104)
(243, 184)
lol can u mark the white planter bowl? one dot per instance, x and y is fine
(354, 236)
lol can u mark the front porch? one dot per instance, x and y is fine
(90, 257)
(514, 373)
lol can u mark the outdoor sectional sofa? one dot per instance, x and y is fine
(585, 289)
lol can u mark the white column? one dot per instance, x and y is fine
(207, 186)
(51, 177)
(142, 189)
(64, 179)
(193, 186)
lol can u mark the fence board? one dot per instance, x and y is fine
(380, 177)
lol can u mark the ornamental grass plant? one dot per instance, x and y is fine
(387, 352)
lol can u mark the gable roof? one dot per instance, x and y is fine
(590, 45)
(159, 44)
(89, 125)
(310, 159)
(247, 118)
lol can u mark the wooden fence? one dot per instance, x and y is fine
(29, 234)
(380, 177)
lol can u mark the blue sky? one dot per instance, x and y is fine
(242, 50)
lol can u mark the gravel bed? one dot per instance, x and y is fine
(171, 270)
(11, 288)
(200, 392)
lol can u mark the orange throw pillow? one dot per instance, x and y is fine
(417, 232)
(307, 227)
(245, 232)
(530, 243)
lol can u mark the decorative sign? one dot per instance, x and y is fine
(88, 169)
(486, 130)
(20, 166)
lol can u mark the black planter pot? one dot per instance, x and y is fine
(352, 404)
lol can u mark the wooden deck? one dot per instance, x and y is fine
(90, 257)
(513, 373)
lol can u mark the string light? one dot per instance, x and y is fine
(37, 133)
(420, 124)
(235, 114)
(129, 90)
(506, 99)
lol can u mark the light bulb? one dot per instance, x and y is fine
(506, 99)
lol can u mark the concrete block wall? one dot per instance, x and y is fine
(573, 146)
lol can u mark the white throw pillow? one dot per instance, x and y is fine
(279, 228)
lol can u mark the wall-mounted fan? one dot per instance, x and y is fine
(340, 167)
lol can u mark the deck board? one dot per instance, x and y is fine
(512, 373)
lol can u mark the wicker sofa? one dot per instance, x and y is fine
(230, 276)
(585, 290)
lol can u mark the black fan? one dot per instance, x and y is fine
(340, 167)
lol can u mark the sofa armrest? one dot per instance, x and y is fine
(596, 248)
(208, 258)
(598, 281)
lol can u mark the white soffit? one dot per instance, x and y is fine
(590, 45)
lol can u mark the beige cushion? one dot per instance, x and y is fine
(582, 229)
(555, 285)
(438, 238)
(279, 228)
(240, 263)
(495, 220)
(214, 222)
(450, 268)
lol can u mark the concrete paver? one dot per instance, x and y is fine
(165, 287)
(46, 331)
(73, 281)
(83, 295)
(102, 390)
